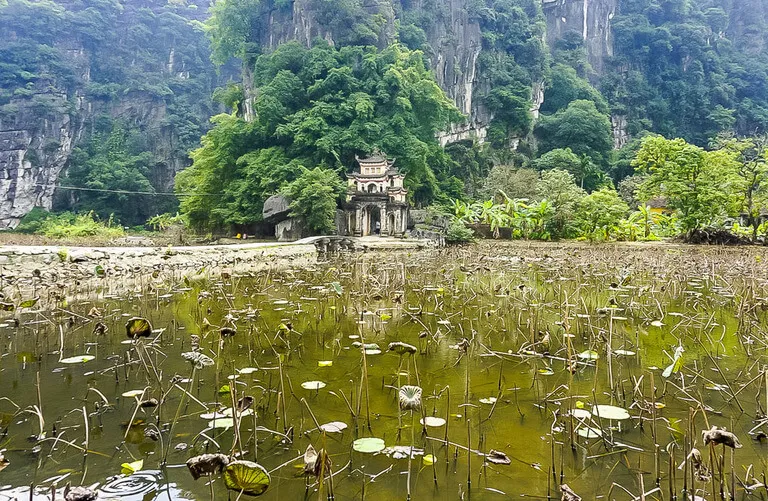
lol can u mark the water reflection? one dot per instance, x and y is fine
(146, 485)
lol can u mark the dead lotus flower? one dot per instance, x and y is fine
(497, 457)
(244, 403)
(206, 464)
(701, 471)
(410, 398)
(315, 462)
(227, 331)
(568, 494)
(720, 436)
(199, 360)
(100, 328)
(402, 348)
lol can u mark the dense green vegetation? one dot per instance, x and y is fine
(68, 225)
(301, 111)
(725, 188)
(136, 79)
(681, 70)
(318, 108)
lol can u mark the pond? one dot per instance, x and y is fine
(514, 369)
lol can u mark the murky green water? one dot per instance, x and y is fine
(615, 316)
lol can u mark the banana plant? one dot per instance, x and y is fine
(465, 212)
(539, 216)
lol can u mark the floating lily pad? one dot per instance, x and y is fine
(610, 412)
(333, 427)
(247, 370)
(79, 359)
(225, 423)
(497, 457)
(428, 460)
(589, 355)
(402, 452)
(247, 477)
(589, 432)
(29, 303)
(137, 327)
(131, 468)
(581, 413)
(245, 412)
(312, 385)
(132, 393)
(213, 415)
(432, 421)
(368, 445)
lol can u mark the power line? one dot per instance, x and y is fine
(128, 192)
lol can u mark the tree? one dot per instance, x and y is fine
(559, 188)
(700, 185)
(233, 29)
(565, 87)
(587, 174)
(211, 202)
(580, 127)
(314, 196)
(599, 212)
(320, 107)
(469, 162)
(628, 189)
(752, 157)
(115, 176)
(512, 181)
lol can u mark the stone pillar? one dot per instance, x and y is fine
(359, 222)
(384, 229)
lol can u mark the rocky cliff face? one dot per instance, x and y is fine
(33, 152)
(37, 139)
(65, 79)
(42, 122)
(455, 42)
(39, 131)
(747, 26)
(37, 134)
(590, 18)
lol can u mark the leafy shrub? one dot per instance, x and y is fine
(458, 233)
(69, 225)
(162, 222)
(313, 197)
(33, 221)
